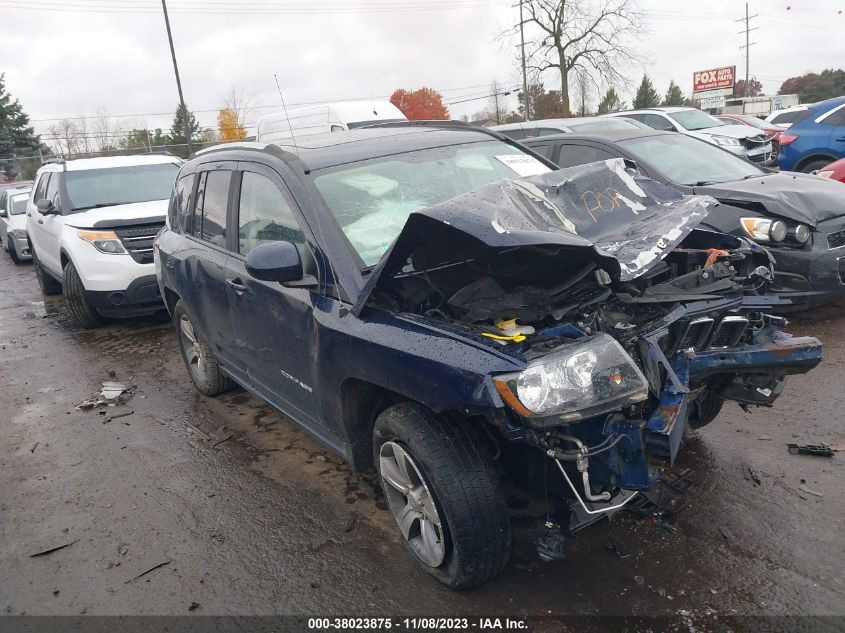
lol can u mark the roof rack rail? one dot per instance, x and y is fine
(56, 160)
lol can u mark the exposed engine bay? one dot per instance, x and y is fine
(632, 322)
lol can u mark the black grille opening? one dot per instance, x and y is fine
(695, 334)
(729, 332)
(835, 240)
(138, 240)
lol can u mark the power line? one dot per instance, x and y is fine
(206, 8)
(257, 107)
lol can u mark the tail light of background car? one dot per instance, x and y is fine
(786, 139)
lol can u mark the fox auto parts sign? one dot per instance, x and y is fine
(713, 79)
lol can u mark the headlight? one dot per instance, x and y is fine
(826, 173)
(577, 381)
(764, 229)
(104, 241)
(20, 234)
(727, 141)
(800, 233)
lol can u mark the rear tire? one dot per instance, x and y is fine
(468, 530)
(49, 286)
(814, 165)
(78, 306)
(199, 359)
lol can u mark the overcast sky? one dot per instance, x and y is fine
(113, 54)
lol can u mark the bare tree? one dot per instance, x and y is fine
(104, 131)
(239, 102)
(496, 105)
(582, 91)
(64, 138)
(593, 36)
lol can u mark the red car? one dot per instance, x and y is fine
(834, 171)
(772, 131)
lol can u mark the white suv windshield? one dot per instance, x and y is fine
(373, 199)
(690, 161)
(695, 119)
(119, 185)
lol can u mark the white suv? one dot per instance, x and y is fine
(748, 142)
(91, 223)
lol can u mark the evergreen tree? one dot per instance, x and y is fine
(647, 96)
(610, 102)
(178, 128)
(674, 96)
(17, 138)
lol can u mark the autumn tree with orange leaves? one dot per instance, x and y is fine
(421, 104)
(230, 128)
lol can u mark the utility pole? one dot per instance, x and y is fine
(748, 44)
(178, 81)
(524, 74)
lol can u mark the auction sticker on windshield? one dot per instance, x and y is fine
(523, 164)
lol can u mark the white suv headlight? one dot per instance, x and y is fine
(104, 241)
(726, 141)
(20, 234)
(577, 381)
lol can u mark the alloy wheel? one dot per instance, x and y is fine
(193, 353)
(412, 504)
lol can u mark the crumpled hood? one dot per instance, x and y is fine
(731, 131)
(150, 211)
(624, 222)
(790, 195)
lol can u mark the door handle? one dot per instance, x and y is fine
(841, 138)
(237, 285)
(40, 221)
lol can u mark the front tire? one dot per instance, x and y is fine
(49, 286)
(199, 359)
(13, 253)
(444, 494)
(77, 304)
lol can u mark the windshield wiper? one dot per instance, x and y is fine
(98, 205)
(704, 183)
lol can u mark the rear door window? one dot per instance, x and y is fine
(183, 204)
(541, 148)
(515, 134)
(548, 131)
(658, 122)
(41, 187)
(572, 155)
(264, 214)
(837, 118)
(209, 222)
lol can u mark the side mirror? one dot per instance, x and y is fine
(277, 261)
(46, 207)
(3, 213)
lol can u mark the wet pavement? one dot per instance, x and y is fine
(269, 522)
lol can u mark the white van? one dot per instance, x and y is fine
(332, 117)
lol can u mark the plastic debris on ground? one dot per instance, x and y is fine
(820, 450)
(111, 394)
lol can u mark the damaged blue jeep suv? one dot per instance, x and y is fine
(444, 306)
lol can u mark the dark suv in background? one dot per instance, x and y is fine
(441, 305)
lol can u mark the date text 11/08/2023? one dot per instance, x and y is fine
(417, 624)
